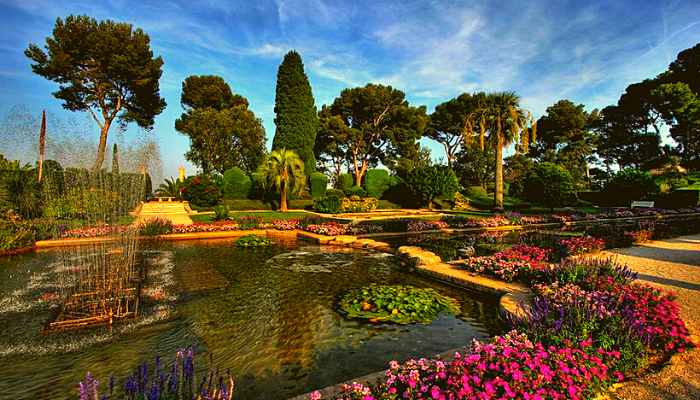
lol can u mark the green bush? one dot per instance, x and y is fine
(629, 185)
(257, 191)
(671, 181)
(376, 182)
(155, 226)
(328, 204)
(237, 185)
(221, 213)
(399, 193)
(356, 191)
(319, 183)
(345, 181)
(52, 181)
(355, 204)
(335, 192)
(431, 183)
(475, 191)
(243, 205)
(201, 191)
(13, 234)
(20, 191)
(549, 185)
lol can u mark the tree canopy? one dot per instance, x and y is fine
(295, 111)
(371, 124)
(105, 68)
(447, 123)
(223, 132)
(430, 183)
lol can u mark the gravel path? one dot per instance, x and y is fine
(672, 264)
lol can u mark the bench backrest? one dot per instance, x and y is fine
(648, 204)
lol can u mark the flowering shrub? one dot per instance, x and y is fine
(206, 227)
(95, 230)
(328, 228)
(575, 246)
(509, 367)
(355, 204)
(155, 226)
(362, 229)
(519, 261)
(286, 224)
(202, 191)
(423, 225)
(249, 222)
(496, 220)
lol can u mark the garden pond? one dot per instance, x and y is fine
(269, 314)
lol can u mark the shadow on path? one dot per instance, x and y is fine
(669, 282)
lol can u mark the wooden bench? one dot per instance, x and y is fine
(643, 204)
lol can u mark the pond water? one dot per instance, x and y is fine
(269, 314)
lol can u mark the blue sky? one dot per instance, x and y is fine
(587, 52)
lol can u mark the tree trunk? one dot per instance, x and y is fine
(42, 141)
(283, 201)
(498, 182)
(360, 173)
(102, 147)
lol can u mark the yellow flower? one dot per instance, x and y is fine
(395, 311)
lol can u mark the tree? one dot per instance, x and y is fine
(447, 123)
(283, 173)
(549, 185)
(515, 169)
(565, 138)
(474, 165)
(171, 187)
(223, 132)
(629, 184)
(680, 108)
(371, 124)
(502, 121)
(220, 140)
(104, 68)
(430, 183)
(115, 159)
(295, 111)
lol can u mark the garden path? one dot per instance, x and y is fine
(672, 264)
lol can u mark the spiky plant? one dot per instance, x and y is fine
(283, 172)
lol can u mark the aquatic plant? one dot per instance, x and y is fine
(399, 304)
(253, 241)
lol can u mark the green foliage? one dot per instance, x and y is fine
(221, 213)
(13, 234)
(115, 159)
(209, 91)
(376, 182)
(345, 181)
(474, 166)
(89, 204)
(237, 185)
(295, 111)
(328, 204)
(398, 304)
(202, 191)
(319, 183)
(105, 66)
(475, 192)
(283, 173)
(374, 123)
(223, 139)
(629, 185)
(170, 187)
(155, 226)
(671, 181)
(447, 124)
(20, 191)
(52, 181)
(355, 204)
(253, 241)
(549, 185)
(430, 183)
(243, 205)
(355, 191)
(335, 192)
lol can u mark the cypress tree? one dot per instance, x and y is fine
(115, 159)
(295, 111)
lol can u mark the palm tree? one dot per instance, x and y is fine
(171, 187)
(500, 117)
(283, 172)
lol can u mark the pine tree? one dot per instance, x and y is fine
(296, 113)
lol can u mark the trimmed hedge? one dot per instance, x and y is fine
(335, 192)
(237, 184)
(318, 184)
(345, 181)
(376, 182)
(242, 205)
(355, 191)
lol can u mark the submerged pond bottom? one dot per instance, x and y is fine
(269, 314)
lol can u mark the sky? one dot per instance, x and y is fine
(545, 51)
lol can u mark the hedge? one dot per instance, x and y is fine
(242, 205)
(318, 184)
(237, 184)
(376, 182)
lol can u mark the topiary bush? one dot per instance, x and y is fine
(431, 183)
(237, 185)
(318, 183)
(335, 192)
(376, 182)
(345, 181)
(473, 192)
(629, 185)
(356, 191)
(201, 191)
(328, 204)
(549, 185)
